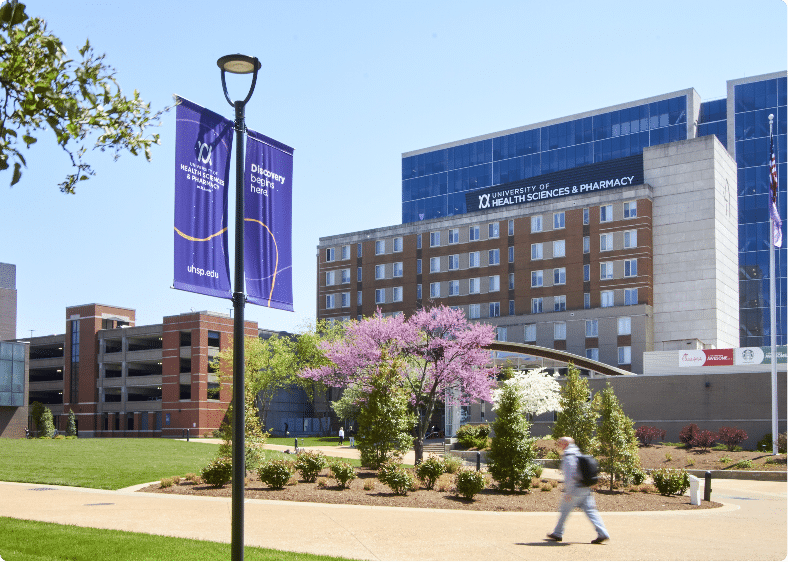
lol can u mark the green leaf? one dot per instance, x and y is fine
(17, 173)
(29, 140)
(13, 13)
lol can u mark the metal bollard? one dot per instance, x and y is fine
(707, 487)
(187, 435)
(296, 444)
(478, 461)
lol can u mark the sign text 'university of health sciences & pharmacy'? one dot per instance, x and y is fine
(622, 172)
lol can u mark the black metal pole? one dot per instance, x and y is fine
(239, 298)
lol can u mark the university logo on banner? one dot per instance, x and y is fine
(268, 204)
(203, 145)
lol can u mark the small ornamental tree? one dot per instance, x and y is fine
(731, 437)
(47, 427)
(71, 429)
(511, 457)
(616, 449)
(576, 417)
(646, 434)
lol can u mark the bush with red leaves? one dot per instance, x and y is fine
(704, 439)
(731, 437)
(646, 434)
(687, 434)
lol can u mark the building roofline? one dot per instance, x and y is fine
(558, 355)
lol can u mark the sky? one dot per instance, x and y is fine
(350, 86)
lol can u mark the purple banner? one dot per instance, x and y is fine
(268, 219)
(203, 144)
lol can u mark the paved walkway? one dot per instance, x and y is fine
(752, 525)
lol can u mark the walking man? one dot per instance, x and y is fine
(575, 494)
(341, 436)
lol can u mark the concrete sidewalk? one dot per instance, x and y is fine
(751, 526)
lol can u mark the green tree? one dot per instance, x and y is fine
(36, 412)
(511, 458)
(347, 407)
(384, 420)
(577, 418)
(71, 429)
(617, 445)
(47, 427)
(43, 88)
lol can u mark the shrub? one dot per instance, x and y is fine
(725, 460)
(59, 436)
(452, 464)
(473, 436)
(342, 472)
(190, 476)
(646, 434)
(765, 443)
(430, 470)
(369, 485)
(175, 480)
(309, 464)
(396, 477)
(469, 483)
(547, 487)
(731, 437)
(47, 427)
(276, 473)
(687, 434)
(747, 463)
(218, 473)
(704, 439)
(71, 429)
(670, 481)
(322, 482)
(165, 482)
(638, 477)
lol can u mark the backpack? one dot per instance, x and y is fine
(588, 470)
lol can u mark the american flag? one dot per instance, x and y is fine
(777, 224)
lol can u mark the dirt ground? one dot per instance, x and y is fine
(543, 496)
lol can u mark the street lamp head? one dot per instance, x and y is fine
(238, 64)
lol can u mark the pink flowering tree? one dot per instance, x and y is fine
(435, 350)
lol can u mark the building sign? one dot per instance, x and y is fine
(623, 172)
(736, 356)
(268, 218)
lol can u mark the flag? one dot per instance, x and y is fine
(777, 224)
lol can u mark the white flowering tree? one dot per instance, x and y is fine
(539, 391)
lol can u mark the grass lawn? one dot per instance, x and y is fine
(332, 441)
(33, 540)
(107, 464)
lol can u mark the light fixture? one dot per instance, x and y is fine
(238, 64)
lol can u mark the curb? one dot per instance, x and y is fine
(762, 475)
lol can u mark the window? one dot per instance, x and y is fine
(592, 328)
(586, 215)
(345, 300)
(605, 242)
(474, 285)
(606, 270)
(345, 275)
(624, 326)
(511, 308)
(345, 252)
(625, 355)
(559, 331)
(474, 311)
(454, 235)
(398, 244)
(607, 299)
(511, 254)
(605, 213)
(329, 254)
(380, 247)
(435, 265)
(330, 301)
(630, 209)
(493, 257)
(495, 309)
(435, 290)
(559, 276)
(492, 230)
(501, 333)
(536, 223)
(418, 241)
(586, 300)
(537, 251)
(530, 332)
(511, 228)
(511, 281)
(587, 272)
(435, 239)
(454, 288)
(536, 279)
(473, 234)
(418, 267)
(559, 220)
(630, 268)
(559, 249)
(559, 303)
(495, 283)
(592, 354)
(536, 305)
(630, 238)
(454, 262)
(380, 296)
(398, 269)
(358, 274)
(380, 271)
(397, 294)
(586, 244)
(358, 298)
(473, 259)
(358, 250)
(418, 291)
(330, 278)
(630, 296)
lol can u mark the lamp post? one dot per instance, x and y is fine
(238, 64)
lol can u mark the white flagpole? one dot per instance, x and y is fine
(772, 305)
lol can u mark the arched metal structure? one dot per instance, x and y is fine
(557, 355)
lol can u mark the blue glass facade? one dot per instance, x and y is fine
(434, 183)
